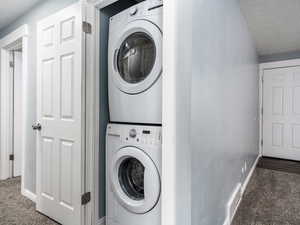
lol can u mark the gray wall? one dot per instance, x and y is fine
(217, 128)
(40, 11)
(224, 119)
(104, 118)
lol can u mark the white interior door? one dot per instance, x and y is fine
(17, 119)
(281, 118)
(61, 116)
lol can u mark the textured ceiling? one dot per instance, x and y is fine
(10, 10)
(274, 24)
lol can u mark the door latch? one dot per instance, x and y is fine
(37, 126)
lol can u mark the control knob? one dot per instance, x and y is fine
(133, 11)
(132, 133)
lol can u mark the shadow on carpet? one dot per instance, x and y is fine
(16, 209)
(272, 198)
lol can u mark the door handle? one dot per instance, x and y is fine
(115, 63)
(37, 126)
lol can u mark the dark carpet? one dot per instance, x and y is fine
(16, 209)
(272, 198)
(279, 165)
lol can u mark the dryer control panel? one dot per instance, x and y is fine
(139, 11)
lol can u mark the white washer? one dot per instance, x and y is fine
(135, 64)
(133, 168)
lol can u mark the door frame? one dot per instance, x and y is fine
(262, 68)
(93, 106)
(17, 38)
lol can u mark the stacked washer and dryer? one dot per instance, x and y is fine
(133, 139)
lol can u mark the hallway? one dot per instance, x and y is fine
(273, 195)
(16, 209)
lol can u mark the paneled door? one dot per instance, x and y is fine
(281, 113)
(60, 124)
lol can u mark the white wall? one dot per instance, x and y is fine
(215, 73)
(40, 11)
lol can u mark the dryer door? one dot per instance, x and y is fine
(135, 180)
(137, 58)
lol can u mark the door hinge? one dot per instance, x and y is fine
(11, 64)
(261, 142)
(86, 27)
(85, 198)
(11, 157)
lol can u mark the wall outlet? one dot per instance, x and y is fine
(244, 170)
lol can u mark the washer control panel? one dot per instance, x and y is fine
(142, 135)
(136, 134)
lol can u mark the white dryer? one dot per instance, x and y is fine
(133, 181)
(135, 64)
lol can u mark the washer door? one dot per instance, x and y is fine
(137, 58)
(135, 180)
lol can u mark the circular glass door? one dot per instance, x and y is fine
(131, 178)
(135, 180)
(136, 58)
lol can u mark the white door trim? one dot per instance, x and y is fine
(92, 16)
(9, 42)
(93, 107)
(262, 68)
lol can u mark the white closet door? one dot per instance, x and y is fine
(60, 109)
(281, 118)
(17, 136)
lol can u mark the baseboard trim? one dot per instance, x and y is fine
(226, 222)
(28, 194)
(246, 182)
(243, 189)
(101, 221)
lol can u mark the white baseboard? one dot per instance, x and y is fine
(101, 221)
(247, 180)
(228, 220)
(3, 175)
(28, 194)
(234, 202)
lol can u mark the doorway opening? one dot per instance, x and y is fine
(15, 157)
(14, 55)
